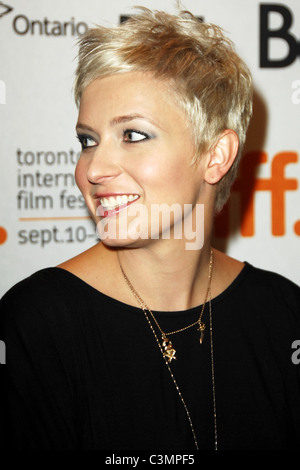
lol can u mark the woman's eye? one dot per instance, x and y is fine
(132, 136)
(86, 141)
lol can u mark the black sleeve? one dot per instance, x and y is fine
(38, 401)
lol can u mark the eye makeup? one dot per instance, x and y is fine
(86, 141)
(133, 136)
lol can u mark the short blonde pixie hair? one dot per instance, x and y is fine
(210, 81)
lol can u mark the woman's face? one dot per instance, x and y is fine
(136, 154)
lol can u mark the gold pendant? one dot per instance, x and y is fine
(170, 352)
(201, 329)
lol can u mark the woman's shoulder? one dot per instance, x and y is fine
(268, 290)
(99, 268)
(56, 293)
(36, 285)
(54, 281)
(37, 294)
(52, 293)
(92, 266)
(249, 272)
(271, 280)
(34, 308)
(259, 285)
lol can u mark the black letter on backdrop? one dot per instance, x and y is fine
(282, 33)
(27, 24)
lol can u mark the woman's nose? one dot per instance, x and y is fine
(103, 164)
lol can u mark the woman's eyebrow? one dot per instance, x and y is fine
(82, 126)
(114, 121)
(130, 117)
(126, 118)
(119, 120)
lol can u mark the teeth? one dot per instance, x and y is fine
(111, 202)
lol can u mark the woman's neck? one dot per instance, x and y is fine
(167, 279)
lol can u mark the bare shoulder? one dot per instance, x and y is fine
(226, 270)
(95, 266)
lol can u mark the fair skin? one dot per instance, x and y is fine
(136, 142)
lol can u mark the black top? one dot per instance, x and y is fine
(84, 371)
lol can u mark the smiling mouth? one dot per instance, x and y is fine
(113, 204)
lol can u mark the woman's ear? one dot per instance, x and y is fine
(222, 156)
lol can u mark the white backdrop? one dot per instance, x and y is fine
(43, 220)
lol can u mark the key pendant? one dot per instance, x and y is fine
(201, 329)
(170, 352)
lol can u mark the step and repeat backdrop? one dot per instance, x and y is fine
(43, 219)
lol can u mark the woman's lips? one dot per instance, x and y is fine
(105, 212)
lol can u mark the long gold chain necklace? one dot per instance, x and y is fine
(168, 352)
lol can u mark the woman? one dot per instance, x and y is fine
(152, 339)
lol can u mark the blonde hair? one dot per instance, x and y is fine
(212, 83)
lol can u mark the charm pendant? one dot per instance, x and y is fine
(170, 352)
(201, 329)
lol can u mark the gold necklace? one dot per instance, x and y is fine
(169, 353)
